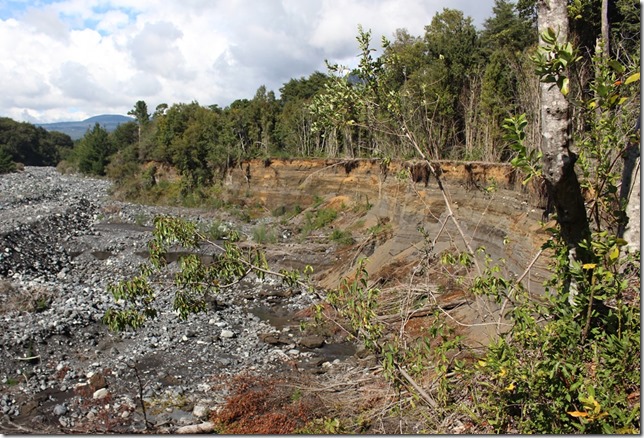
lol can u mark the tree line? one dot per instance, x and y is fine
(30, 145)
(453, 87)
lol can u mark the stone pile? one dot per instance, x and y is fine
(36, 249)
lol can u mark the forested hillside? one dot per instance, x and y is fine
(30, 145)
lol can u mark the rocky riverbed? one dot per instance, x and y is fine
(62, 240)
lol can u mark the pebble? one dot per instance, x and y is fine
(200, 411)
(60, 410)
(227, 334)
(100, 394)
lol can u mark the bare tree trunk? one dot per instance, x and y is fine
(605, 35)
(632, 233)
(470, 100)
(629, 227)
(558, 160)
(529, 101)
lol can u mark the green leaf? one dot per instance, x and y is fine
(565, 86)
(549, 36)
(632, 78)
(614, 254)
(617, 66)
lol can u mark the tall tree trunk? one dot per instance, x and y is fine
(629, 227)
(562, 184)
(605, 35)
(632, 232)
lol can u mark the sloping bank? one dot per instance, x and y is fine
(397, 220)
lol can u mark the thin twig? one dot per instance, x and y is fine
(423, 311)
(141, 386)
(448, 204)
(256, 268)
(439, 232)
(462, 324)
(420, 390)
(518, 281)
(28, 358)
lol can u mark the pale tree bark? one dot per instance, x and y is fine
(630, 193)
(602, 44)
(605, 35)
(632, 233)
(564, 192)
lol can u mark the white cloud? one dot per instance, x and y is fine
(155, 51)
(142, 85)
(113, 21)
(47, 22)
(67, 59)
(76, 82)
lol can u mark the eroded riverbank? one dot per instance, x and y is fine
(63, 239)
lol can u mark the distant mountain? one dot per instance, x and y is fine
(78, 129)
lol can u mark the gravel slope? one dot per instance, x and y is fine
(62, 240)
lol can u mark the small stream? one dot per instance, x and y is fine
(281, 319)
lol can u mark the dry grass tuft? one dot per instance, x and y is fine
(24, 299)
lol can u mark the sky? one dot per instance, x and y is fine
(67, 60)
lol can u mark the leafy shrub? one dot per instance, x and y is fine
(279, 211)
(342, 237)
(263, 234)
(65, 167)
(319, 219)
(317, 201)
(6, 163)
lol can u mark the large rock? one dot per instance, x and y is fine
(312, 341)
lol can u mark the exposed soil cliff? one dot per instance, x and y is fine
(487, 199)
(395, 222)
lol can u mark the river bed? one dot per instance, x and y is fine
(62, 240)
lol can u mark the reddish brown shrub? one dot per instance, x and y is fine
(263, 405)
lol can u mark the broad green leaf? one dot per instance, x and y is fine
(565, 86)
(617, 66)
(632, 78)
(614, 254)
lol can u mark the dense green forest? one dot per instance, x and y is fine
(30, 145)
(449, 89)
